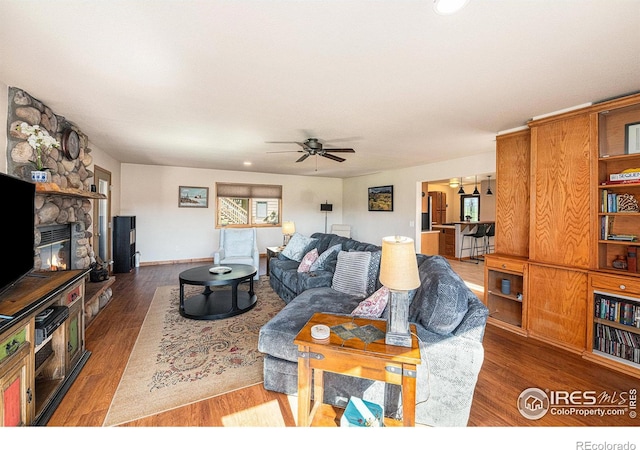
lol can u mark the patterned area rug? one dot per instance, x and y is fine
(177, 361)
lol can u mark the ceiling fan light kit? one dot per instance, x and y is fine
(313, 147)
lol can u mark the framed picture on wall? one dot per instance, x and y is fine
(380, 198)
(193, 197)
(632, 138)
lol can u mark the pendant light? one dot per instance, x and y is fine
(476, 191)
(461, 190)
(489, 188)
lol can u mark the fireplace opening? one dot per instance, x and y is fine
(55, 247)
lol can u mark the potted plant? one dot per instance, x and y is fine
(41, 142)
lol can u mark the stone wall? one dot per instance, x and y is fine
(66, 173)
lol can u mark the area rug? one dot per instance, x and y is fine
(177, 361)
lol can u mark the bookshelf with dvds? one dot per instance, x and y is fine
(613, 319)
(613, 334)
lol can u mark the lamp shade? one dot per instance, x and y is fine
(398, 265)
(288, 228)
(326, 207)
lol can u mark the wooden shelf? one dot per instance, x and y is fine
(93, 290)
(510, 297)
(617, 325)
(54, 189)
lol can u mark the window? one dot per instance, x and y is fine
(470, 207)
(242, 205)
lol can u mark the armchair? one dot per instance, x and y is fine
(238, 246)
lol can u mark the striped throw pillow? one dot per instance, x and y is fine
(351, 275)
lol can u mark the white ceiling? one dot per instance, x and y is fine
(206, 83)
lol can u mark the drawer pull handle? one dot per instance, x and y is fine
(12, 347)
(622, 287)
(504, 266)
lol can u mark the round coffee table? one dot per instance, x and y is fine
(214, 304)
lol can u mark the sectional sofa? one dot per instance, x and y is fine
(450, 322)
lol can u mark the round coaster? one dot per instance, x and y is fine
(320, 332)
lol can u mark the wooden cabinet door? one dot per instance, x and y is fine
(557, 306)
(75, 337)
(560, 192)
(16, 393)
(512, 193)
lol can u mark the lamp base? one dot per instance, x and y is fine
(398, 323)
(398, 339)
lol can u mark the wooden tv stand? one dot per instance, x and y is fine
(35, 378)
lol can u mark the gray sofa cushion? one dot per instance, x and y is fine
(277, 335)
(442, 300)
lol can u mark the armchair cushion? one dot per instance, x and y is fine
(238, 243)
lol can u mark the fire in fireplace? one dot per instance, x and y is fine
(55, 247)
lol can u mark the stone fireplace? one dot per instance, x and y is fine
(62, 205)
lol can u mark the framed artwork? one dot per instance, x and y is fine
(193, 197)
(632, 138)
(381, 198)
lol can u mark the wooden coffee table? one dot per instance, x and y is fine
(375, 360)
(217, 303)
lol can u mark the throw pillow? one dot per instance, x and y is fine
(308, 259)
(351, 273)
(328, 253)
(374, 305)
(374, 271)
(298, 246)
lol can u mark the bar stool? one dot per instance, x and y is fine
(479, 234)
(491, 232)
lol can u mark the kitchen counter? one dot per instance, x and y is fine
(459, 228)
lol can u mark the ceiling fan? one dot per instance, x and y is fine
(313, 146)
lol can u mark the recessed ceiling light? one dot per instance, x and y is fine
(247, 163)
(446, 7)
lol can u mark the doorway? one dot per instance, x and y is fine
(102, 215)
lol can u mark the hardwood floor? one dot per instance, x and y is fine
(512, 363)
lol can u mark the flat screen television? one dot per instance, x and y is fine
(18, 198)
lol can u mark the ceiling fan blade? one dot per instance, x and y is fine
(301, 144)
(330, 156)
(288, 151)
(339, 150)
(303, 157)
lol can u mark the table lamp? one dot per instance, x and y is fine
(399, 273)
(288, 228)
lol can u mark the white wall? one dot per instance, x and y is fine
(166, 232)
(105, 161)
(404, 220)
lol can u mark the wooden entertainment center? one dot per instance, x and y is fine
(35, 377)
(565, 248)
